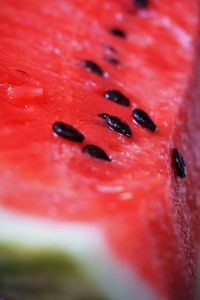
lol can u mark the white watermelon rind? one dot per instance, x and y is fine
(91, 268)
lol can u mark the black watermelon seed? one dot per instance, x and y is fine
(117, 97)
(96, 152)
(93, 67)
(112, 60)
(179, 163)
(141, 3)
(118, 32)
(116, 124)
(142, 118)
(66, 131)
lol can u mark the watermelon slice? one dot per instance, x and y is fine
(99, 159)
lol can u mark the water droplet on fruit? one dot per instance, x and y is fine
(109, 188)
(106, 74)
(75, 44)
(20, 89)
(20, 77)
(24, 96)
(90, 83)
(56, 51)
(126, 196)
(119, 16)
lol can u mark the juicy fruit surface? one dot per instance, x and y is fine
(48, 45)
(43, 80)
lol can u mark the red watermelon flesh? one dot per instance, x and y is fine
(148, 214)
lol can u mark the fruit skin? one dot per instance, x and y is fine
(157, 211)
(44, 273)
(62, 259)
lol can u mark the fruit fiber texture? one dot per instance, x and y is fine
(148, 214)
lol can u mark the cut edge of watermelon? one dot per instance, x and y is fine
(83, 244)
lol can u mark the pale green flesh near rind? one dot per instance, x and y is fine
(44, 259)
(42, 274)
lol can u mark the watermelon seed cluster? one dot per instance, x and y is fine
(67, 131)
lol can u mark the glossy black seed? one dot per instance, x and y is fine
(141, 3)
(112, 60)
(93, 67)
(118, 32)
(68, 132)
(116, 124)
(117, 97)
(142, 118)
(179, 163)
(96, 152)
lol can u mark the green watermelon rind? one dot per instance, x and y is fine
(42, 274)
